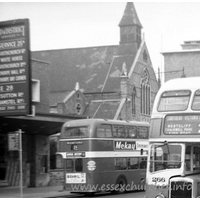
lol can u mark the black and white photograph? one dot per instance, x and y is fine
(100, 99)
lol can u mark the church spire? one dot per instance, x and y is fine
(130, 16)
(130, 26)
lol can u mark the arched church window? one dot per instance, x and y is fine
(134, 101)
(145, 93)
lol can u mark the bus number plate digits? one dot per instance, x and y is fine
(158, 179)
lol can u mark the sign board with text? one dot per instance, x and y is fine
(15, 68)
(13, 142)
(182, 124)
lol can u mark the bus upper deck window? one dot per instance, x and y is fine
(143, 132)
(131, 131)
(119, 131)
(174, 101)
(104, 131)
(69, 132)
(196, 101)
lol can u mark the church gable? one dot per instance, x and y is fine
(144, 56)
(76, 104)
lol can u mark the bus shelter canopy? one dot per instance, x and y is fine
(42, 124)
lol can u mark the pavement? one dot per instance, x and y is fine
(33, 192)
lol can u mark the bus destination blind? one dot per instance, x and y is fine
(178, 124)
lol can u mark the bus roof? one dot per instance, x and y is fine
(85, 122)
(181, 83)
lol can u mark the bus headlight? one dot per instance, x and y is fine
(160, 196)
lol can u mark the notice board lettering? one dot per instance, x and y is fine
(15, 69)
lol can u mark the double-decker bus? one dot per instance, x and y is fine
(173, 169)
(104, 155)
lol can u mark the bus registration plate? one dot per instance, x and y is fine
(75, 177)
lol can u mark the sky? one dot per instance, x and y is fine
(65, 25)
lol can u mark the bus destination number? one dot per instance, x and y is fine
(158, 179)
(74, 147)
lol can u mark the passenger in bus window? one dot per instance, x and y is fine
(131, 131)
(119, 131)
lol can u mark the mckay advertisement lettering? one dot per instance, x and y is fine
(130, 145)
(125, 145)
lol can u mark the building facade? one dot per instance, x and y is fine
(183, 63)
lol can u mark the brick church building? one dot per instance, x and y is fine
(113, 82)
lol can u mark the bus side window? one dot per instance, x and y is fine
(104, 131)
(120, 164)
(79, 165)
(69, 165)
(143, 163)
(133, 163)
(131, 131)
(143, 132)
(119, 131)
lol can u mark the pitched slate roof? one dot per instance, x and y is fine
(113, 79)
(56, 97)
(88, 66)
(103, 109)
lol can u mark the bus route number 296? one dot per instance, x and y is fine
(158, 179)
